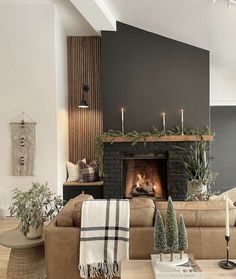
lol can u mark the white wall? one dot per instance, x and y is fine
(61, 99)
(33, 80)
(223, 88)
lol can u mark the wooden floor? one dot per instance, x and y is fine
(5, 224)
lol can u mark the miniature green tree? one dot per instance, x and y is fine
(160, 235)
(183, 238)
(171, 229)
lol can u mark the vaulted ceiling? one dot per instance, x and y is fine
(200, 23)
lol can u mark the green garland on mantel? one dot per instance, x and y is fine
(142, 137)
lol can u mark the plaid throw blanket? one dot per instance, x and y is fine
(104, 239)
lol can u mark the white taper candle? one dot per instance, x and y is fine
(122, 114)
(227, 216)
(163, 120)
(122, 121)
(182, 116)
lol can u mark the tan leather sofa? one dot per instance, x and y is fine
(206, 240)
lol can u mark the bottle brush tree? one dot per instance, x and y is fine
(171, 229)
(160, 235)
(183, 238)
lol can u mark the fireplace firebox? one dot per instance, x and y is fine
(145, 175)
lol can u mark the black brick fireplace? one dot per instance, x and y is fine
(116, 154)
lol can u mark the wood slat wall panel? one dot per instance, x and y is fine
(84, 65)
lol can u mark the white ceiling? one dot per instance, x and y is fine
(197, 22)
(75, 24)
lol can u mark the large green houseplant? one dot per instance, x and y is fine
(34, 207)
(198, 168)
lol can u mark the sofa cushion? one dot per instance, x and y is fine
(231, 195)
(221, 198)
(142, 211)
(201, 213)
(65, 216)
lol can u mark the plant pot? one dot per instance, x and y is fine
(35, 233)
(196, 188)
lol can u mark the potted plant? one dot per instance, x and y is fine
(198, 168)
(34, 207)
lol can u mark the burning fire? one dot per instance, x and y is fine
(144, 184)
(143, 178)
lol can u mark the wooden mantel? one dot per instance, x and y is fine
(172, 138)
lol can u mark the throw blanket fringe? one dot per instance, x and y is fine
(107, 270)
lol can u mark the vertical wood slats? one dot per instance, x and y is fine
(84, 65)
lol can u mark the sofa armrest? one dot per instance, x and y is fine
(62, 251)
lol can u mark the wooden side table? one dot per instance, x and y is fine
(26, 259)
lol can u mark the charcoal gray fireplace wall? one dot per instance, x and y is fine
(148, 74)
(176, 175)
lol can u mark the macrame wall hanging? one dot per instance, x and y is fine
(23, 145)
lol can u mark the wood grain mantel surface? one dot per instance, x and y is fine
(171, 138)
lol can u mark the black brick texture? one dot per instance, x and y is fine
(176, 175)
